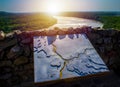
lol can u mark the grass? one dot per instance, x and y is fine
(110, 22)
(12, 21)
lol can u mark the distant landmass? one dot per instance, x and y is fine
(38, 20)
(89, 15)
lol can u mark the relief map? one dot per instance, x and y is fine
(65, 56)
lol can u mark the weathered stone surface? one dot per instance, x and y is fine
(51, 32)
(112, 32)
(15, 80)
(14, 52)
(111, 60)
(70, 30)
(26, 41)
(6, 44)
(31, 47)
(26, 75)
(1, 54)
(5, 63)
(10, 35)
(99, 41)
(29, 66)
(108, 47)
(5, 72)
(28, 84)
(107, 40)
(27, 51)
(21, 60)
(77, 30)
(62, 32)
(94, 36)
(4, 83)
(17, 32)
(43, 33)
(6, 76)
(2, 35)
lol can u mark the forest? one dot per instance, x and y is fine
(24, 21)
(110, 22)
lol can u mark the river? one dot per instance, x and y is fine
(66, 22)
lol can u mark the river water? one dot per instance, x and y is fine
(66, 22)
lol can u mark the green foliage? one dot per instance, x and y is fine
(110, 22)
(9, 22)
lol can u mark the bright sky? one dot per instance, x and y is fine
(59, 5)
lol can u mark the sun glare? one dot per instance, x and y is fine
(53, 8)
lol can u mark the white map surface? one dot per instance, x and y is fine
(65, 56)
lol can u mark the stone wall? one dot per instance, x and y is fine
(107, 44)
(16, 52)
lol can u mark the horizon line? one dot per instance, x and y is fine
(47, 12)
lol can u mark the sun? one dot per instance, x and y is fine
(53, 8)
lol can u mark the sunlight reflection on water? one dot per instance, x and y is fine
(66, 22)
